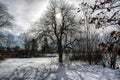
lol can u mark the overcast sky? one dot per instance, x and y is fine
(25, 12)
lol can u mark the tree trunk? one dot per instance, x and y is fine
(60, 51)
(89, 58)
(60, 56)
(114, 60)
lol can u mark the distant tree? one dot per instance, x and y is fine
(16, 48)
(9, 41)
(29, 43)
(26, 41)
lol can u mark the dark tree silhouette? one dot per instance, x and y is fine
(58, 23)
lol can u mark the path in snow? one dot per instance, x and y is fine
(60, 74)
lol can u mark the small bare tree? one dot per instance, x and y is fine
(9, 41)
(26, 40)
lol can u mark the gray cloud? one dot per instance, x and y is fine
(25, 11)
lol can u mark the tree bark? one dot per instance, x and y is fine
(60, 51)
(60, 56)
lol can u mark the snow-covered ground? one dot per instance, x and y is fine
(49, 69)
(91, 72)
(26, 68)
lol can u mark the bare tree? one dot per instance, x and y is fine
(5, 19)
(26, 40)
(9, 41)
(58, 23)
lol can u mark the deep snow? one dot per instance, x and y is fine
(49, 69)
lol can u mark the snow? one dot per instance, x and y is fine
(26, 68)
(49, 69)
(92, 73)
